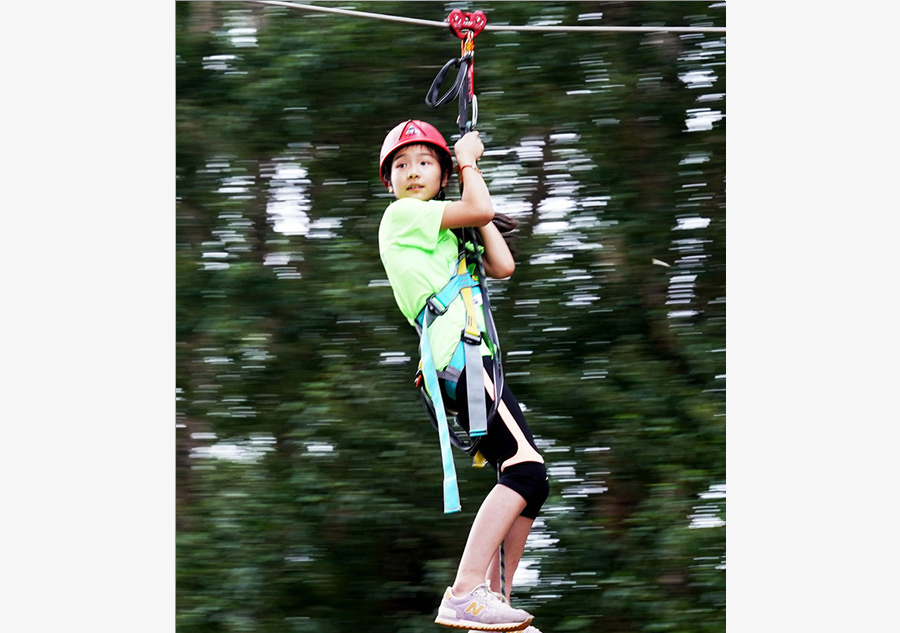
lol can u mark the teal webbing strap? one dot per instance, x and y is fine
(451, 490)
(448, 293)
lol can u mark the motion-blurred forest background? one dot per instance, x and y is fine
(308, 477)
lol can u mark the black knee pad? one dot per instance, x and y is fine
(529, 479)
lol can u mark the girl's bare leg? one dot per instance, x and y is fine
(497, 519)
(513, 547)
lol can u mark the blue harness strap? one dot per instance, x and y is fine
(451, 490)
(467, 353)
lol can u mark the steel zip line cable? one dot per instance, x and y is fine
(494, 27)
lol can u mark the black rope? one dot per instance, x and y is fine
(458, 89)
(432, 98)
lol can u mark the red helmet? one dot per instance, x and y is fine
(409, 133)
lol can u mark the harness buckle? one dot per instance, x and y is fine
(435, 306)
(470, 338)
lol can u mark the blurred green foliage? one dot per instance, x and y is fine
(308, 483)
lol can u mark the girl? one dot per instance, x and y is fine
(419, 251)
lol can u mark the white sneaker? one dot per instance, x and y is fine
(480, 610)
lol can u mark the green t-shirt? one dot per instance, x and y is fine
(419, 258)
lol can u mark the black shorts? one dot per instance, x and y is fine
(509, 445)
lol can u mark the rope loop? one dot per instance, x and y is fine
(432, 99)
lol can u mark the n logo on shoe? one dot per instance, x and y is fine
(474, 608)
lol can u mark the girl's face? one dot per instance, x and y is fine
(416, 173)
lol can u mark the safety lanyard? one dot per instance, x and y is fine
(465, 26)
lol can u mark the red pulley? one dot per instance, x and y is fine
(461, 22)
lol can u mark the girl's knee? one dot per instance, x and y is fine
(530, 480)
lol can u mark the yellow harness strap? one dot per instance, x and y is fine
(472, 328)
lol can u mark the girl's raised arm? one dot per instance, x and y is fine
(475, 209)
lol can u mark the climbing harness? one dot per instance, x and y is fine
(427, 376)
(471, 290)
